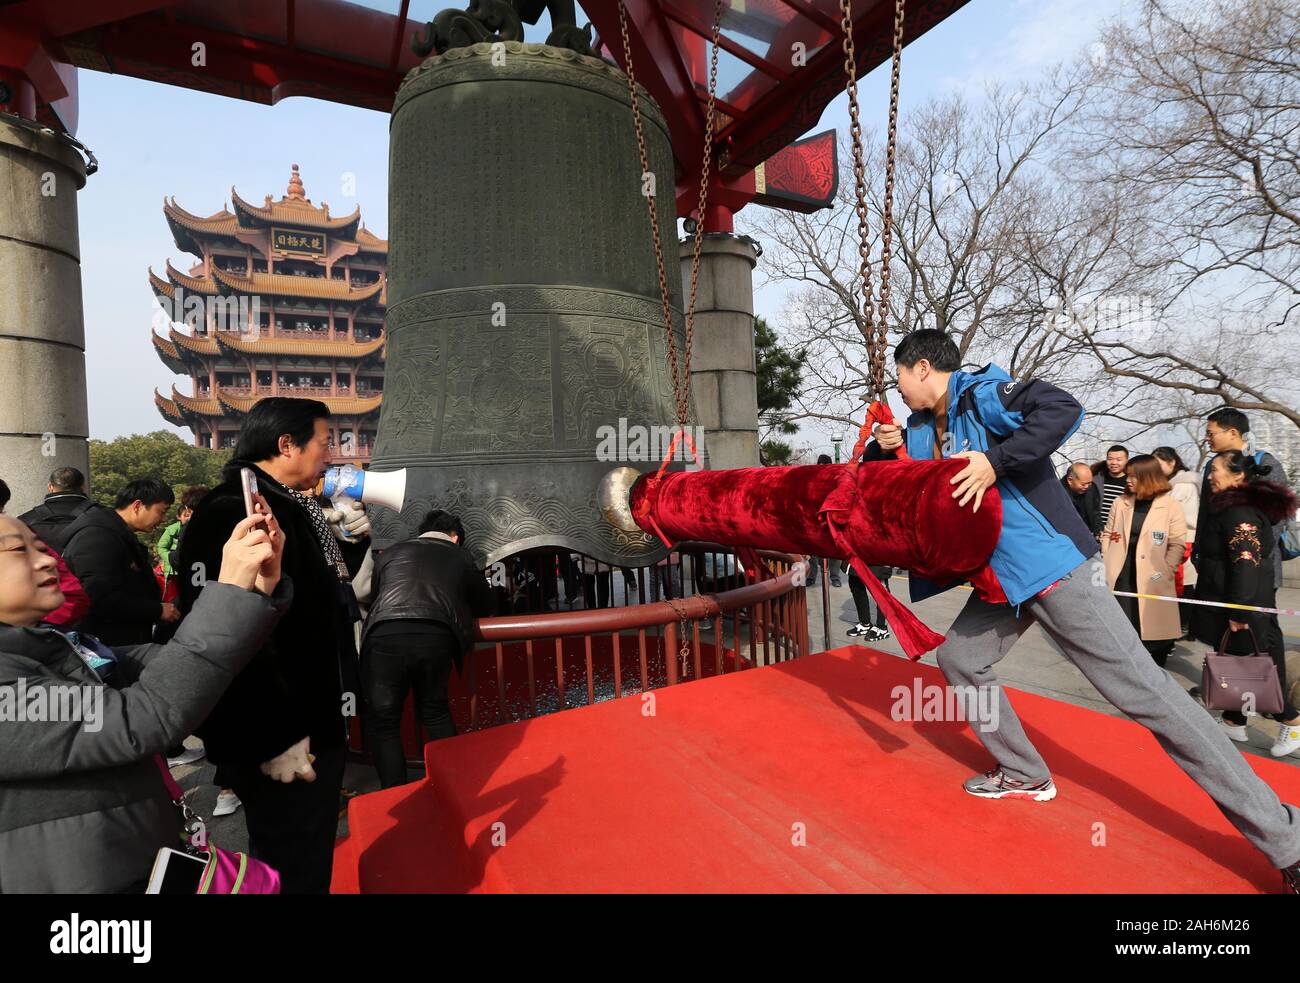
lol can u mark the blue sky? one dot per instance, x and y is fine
(153, 140)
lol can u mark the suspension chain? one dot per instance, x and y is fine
(875, 316)
(681, 376)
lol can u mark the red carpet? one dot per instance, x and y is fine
(705, 796)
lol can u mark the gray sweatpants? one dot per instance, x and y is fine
(1086, 623)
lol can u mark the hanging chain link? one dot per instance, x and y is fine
(683, 656)
(887, 223)
(875, 317)
(875, 356)
(681, 377)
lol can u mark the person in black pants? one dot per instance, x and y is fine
(874, 628)
(1235, 546)
(279, 734)
(426, 594)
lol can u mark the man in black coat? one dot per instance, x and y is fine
(65, 501)
(1084, 494)
(278, 736)
(114, 567)
(425, 594)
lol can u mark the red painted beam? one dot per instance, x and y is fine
(781, 116)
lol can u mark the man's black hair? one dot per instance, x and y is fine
(147, 491)
(67, 480)
(1229, 419)
(443, 522)
(1116, 447)
(274, 417)
(4, 495)
(932, 345)
(823, 459)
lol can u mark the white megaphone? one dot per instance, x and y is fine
(350, 483)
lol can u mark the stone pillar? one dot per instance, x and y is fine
(723, 383)
(43, 417)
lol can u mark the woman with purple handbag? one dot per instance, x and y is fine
(1235, 565)
(84, 808)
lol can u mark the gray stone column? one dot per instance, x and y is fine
(722, 359)
(43, 417)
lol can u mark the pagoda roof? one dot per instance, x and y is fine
(174, 348)
(168, 352)
(178, 407)
(194, 284)
(288, 285)
(295, 208)
(369, 242)
(168, 408)
(222, 223)
(298, 346)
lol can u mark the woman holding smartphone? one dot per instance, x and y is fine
(83, 808)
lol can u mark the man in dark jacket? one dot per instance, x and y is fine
(278, 736)
(82, 806)
(114, 567)
(65, 501)
(426, 593)
(1085, 495)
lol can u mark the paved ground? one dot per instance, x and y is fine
(1035, 664)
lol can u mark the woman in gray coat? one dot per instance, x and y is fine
(82, 804)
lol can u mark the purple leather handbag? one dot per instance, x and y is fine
(226, 872)
(1241, 682)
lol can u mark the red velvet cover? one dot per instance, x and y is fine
(899, 513)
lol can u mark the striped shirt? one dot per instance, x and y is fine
(1111, 489)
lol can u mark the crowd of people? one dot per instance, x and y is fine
(1168, 534)
(244, 636)
(269, 622)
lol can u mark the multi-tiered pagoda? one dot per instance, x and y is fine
(285, 300)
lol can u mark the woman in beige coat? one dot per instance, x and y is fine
(1142, 546)
(1185, 486)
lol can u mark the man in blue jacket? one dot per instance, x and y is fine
(1047, 564)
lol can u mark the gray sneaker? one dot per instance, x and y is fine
(995, 785)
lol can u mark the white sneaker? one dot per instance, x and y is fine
(860, 630)
(1236, 732)
(187, 757)
(1288, 741)
(227, 803)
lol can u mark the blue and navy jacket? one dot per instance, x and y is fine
(1017, 426)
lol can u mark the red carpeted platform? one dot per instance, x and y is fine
(712, 792)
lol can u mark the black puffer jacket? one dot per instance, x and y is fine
(115, 570)
(294, 687)
(1235, 546)
(430, 578)
(53, 518)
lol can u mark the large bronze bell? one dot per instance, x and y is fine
(524, 310)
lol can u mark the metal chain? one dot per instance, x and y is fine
(875, 355)
(681, 377)
(887, 224)
(876, 320)
(684, 656)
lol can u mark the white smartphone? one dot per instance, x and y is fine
(248, 481)
(176, 872)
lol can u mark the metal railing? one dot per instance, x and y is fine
(580, 656)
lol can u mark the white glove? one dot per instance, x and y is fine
(349, 524)
(294, 763)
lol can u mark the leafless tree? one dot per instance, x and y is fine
(1195, 118)
(988, 241)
